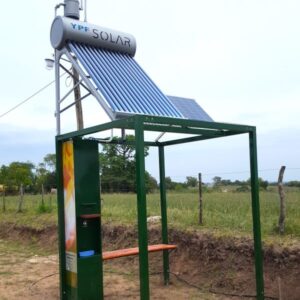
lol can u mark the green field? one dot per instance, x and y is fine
(224, 213)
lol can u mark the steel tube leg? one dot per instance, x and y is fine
(256, 217)
(142, 210)
(163, 207)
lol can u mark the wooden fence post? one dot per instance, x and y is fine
(43, 202)
(3, 201)
(20, 207)
(281, 221)
(200, 199)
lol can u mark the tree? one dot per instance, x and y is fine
(41, 173)
(50, 181)
(117, 167)
(294, 183)
(19, 173)
(170, 185)
(226, 182)
(217, 181)
(3, 174)
(151, 182)
(50, 162)
(46, 173)
(263, 184)
(191, 181)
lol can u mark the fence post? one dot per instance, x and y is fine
(200, 199)
(281, 221)
(21, 198)
(50, 200)
(3, 201)
(43, 203)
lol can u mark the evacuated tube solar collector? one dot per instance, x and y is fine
(106, 56)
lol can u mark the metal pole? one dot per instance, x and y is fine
(200, 200)
(258, 255)
(142, 210)
(57, 92)
(163, 207)
(85, 11)
(77, 98)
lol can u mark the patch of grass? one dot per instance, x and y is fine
(228, 214)
(42, 209)
(224, 214)
(33, 214)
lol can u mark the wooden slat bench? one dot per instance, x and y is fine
(134, 251)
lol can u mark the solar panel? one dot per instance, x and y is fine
(124, 85)
(190, 109)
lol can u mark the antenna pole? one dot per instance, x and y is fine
(72, 8)
(85, 11)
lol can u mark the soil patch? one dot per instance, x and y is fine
(218, 267)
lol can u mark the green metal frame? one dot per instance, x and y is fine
(201, 131)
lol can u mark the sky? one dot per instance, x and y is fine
(240, 60)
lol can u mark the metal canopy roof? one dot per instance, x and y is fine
(125, 87)
(190, 109)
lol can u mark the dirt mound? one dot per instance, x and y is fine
(45, 238)
(216, 264)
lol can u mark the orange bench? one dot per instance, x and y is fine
(134, 251)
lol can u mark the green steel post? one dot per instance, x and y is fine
(256, 217)
(88, 230)
(61, 220)
(142, 210)
(163, 207)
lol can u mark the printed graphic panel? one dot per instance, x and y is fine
(70, 213)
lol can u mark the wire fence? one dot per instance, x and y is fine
(28, 202)
(48, 201)
(268, 174)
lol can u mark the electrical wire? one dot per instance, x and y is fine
(29, 98)
(40, 279)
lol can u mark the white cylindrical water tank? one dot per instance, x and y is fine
(66, 29)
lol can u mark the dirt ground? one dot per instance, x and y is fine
(27, 278)
(203, 267)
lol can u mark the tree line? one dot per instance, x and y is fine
(29, 176)
(117, 171)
